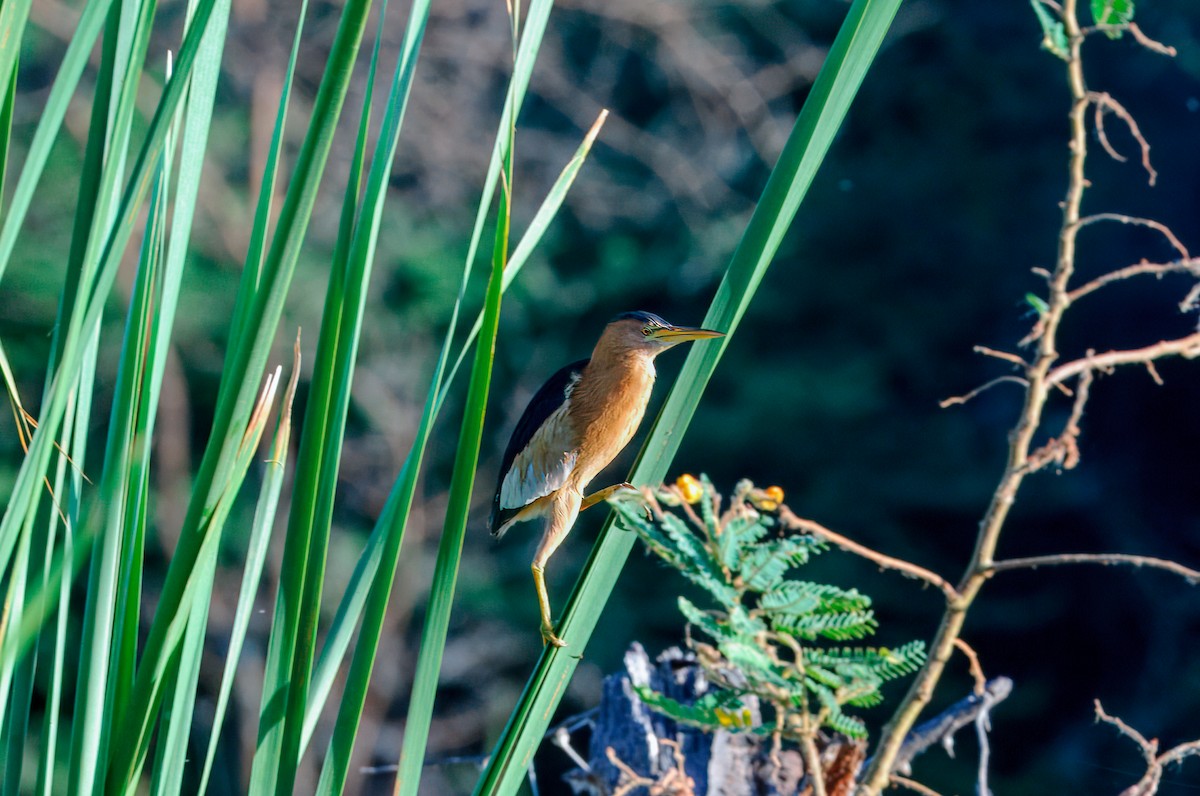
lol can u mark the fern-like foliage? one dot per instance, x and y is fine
(767, 635)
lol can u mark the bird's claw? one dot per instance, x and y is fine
(626, 489)
(550, 639)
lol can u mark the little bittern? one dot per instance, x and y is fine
(573, 427)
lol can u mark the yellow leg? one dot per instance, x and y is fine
(539, 583)
(605, 494)
(564, 508)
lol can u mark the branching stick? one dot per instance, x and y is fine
(1041, 377)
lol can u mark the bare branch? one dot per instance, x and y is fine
(973, 661)
(1192, 300)
(792, 522)
(983, 724)
(1104, 101)
(812, 765)
(1121, 218)
(1149, 43)
(1103, 136)
(1064, 450)
(1007, 357)
(1043, 376)
(1155, 763)
(941, 728)
(1153, 371)
(913, 785)
(1192, 576)
(962, 399)
(672, 782)
(1187, 347)
(1140, 37)
(1190, 265)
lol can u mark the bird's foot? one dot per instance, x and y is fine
(627, 491)
(549, 638)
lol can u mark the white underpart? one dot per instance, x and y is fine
(551, 453)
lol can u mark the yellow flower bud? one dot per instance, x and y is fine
(689, 487)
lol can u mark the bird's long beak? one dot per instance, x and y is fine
(682, 334)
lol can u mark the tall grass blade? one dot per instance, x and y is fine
(369, 589)
(125, 769)
(56, 635)
(851, 54)
(7, 104)
(87, 30)
(257, 252)
(13, 16)
(195, 120)
(93, 281)
(106, 640)
(462, 481)
(16, 676)
(264, 302)
(256, 558)
(328, 404)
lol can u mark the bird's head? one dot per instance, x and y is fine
(646, 333)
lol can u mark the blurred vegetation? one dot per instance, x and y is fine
(915, 243)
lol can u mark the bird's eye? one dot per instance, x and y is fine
(646, 330)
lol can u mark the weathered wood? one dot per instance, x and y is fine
(722, 763)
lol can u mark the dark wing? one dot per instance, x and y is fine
(548, 400)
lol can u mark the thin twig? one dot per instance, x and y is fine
(962, 399)
(913, 785)
(1137, 221)
(1191, 300)
(1007, 357)
(1155, 763)
(1138, 35)
(792, 522)
(1153, 371)
(812, 764)
(1149, 43)
(1104, 101)
(973, 663)
(1187, 347)
(1064, 449)
(1192, 576)
(1190, 265)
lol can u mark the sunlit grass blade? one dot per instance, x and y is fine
(170, 755)
(462, 481)
(247, 358)
(851, 54)
(383, 547)
(94, 281)
(369, 589)
(13, 16)
(526, 55)
(15, 676)
(50, 120)
(195, 119)
(256, 558)
(534, 232)
(7, 103)
(108, 643)
(298, 603)
(56, 634)
(350, 608)
(124, 772)
(257, 250)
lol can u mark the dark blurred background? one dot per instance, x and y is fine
(915, 243)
